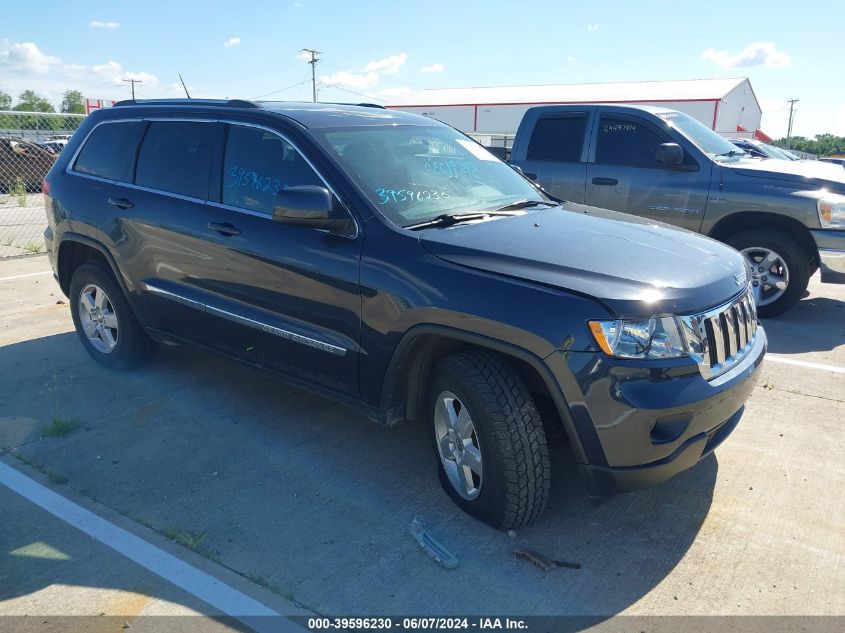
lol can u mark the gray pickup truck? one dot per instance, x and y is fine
(787, 218)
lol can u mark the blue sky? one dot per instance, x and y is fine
(386, 49)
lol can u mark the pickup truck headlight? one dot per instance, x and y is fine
(832, 211)
(658, 337)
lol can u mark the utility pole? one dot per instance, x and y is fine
(313, 63)
(792, 103)
(133, 82)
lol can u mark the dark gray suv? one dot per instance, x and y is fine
(391, 263)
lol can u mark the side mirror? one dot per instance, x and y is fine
(304, 205)
(670, 154)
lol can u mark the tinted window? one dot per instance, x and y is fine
(558, 138)
(258, 163)
(174, 158)
(110, 150)
(627, 142)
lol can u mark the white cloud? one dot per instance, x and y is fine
(758, 54)
(570, 59)
(113, 73)
(592, 27)
(387, 66)
(351, 80)
(25, 58)
(232, 41)
(368, 76)
(433, 68)
(99, 24)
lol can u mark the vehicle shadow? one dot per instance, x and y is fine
(318, 501)
(813, 325)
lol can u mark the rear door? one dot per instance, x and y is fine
(556, 154)
(624, 175)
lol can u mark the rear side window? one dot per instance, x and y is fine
(558, 138)
(625, 141)
(110, 151)
(174, 157)
(257, 164)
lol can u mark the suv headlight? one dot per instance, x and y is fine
(658, 337)
(832, 211)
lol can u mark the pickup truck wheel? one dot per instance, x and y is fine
(489, 440)
(777, 266)
(104, 321)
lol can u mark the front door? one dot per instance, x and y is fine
(623, 174)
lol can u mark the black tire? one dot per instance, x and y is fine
(134, 347)
(793, 255)
(515, 457)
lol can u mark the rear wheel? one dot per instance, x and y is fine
(778, 269)
(104, 321)
(489, 440)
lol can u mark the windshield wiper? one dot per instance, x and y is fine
(523, 204)
(733, 152)
(449, 219)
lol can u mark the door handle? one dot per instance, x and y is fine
(121, 203)
(224, 228)
(605, 181)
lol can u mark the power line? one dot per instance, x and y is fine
(281, 90)
(133, 82)
(313, 63)
(360, 94)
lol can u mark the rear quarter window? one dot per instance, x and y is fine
(109, 151)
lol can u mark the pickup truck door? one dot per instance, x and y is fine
(556, 154)
(623, 175)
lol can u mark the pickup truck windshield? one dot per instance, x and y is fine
(413, 174)
(718, 148)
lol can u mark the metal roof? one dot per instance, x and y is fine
(641, 91)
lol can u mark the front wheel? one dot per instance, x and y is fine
(778, 268)
(489, 440)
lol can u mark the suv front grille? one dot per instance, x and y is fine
(724, 335)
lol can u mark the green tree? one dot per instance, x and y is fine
(821, 145)
(31, 101)
(5, 101)
(72, 102)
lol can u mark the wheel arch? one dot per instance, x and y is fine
(405, 388)
(75, 250)
(744, 220)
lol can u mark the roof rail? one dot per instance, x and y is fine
(221, 103)
(371, 105)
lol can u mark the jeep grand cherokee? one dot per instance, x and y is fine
(389, 262)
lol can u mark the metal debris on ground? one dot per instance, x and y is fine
(538, 560)
(432, 547)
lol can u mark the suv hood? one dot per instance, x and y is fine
(804, 171)
(636, 267)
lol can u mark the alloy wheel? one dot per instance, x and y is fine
(98, 319)
(458, 445)
(769, 274)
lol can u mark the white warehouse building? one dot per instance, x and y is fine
(727, 106)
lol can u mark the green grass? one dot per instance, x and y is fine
(19, 191)
(185, 538)
(54, 477)
(260, 579)
(32, 247)
(59, 427)
(10, 240)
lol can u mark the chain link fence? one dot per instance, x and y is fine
(30, 142)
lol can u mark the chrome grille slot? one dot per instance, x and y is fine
(725, 335)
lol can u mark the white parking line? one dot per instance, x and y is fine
(46, 272)
(201, 585)
(804, 363)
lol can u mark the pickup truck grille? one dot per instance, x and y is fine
(725, 334)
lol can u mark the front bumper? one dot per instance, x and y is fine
(831, 247)
(652, 423)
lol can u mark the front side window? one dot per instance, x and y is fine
(558, 138)
(110, 151)
(174, 157)
(257, 164)
(412, 173)
(623, 141)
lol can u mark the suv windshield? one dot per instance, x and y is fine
(414, 174)
(716, 147)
